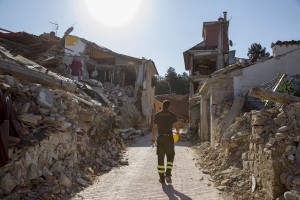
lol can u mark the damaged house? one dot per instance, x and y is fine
(244, 134)
(201, 61)
(116, 70)
(236, 80)
(209, 90)
(58, 133)
(99, 65)
(259, 137)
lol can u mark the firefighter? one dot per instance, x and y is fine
(163, 124)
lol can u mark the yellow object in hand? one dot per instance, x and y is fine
(175, 137)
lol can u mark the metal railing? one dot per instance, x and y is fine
(252, 103)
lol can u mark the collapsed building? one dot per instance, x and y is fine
(221, 98)
(57, 133)
(99, 64)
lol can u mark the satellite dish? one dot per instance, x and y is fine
(230, 43)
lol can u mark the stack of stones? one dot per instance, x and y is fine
(273, 154)
(58, 135)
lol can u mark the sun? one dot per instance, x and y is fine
(113, 12)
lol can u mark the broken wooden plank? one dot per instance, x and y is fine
(80, 99)
(283, 98)
(35, 76)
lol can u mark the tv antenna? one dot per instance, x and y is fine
(74, 24)
(55, 27)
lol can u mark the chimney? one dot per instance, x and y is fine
(225, 15)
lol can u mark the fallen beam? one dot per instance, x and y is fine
(273, 96)
(35, 76)
(81, 99)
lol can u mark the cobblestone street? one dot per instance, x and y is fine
(139, 180)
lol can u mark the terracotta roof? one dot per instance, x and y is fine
(292, 42)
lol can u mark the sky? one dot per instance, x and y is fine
(160, 30)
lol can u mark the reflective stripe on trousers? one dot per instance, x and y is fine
(169, 165)
(161, 169)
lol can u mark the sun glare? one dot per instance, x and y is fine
(113, 12)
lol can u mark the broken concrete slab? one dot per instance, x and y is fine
(273, 96)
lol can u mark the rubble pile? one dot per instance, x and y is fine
(63, 140)
(57, 134)
(128, 114)
(129, 134)
(226, 176)
(259, 157)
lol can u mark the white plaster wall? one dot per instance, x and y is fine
(281, 49)
(261, 73)
(77, 49)
(149, 91)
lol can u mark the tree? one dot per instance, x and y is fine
(172, 83)
(162, 86)
(256, 51)
(182, 86)
(171, 78)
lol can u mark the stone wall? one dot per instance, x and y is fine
(266, 144)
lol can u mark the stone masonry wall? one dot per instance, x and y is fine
(266, 143)
(59, 132)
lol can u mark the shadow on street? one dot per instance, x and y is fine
(174, 194)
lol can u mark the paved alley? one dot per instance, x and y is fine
(139, 180)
